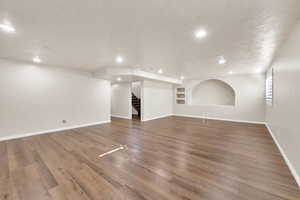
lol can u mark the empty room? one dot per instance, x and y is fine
(150, 100)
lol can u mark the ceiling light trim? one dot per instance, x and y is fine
(7, 28)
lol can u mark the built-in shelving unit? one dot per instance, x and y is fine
(180, 95)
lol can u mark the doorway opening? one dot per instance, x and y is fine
(136, 100)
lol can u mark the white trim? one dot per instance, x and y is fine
(159, 117)
(52, 130)
(120, 116)
(288, 162)
(221, 119)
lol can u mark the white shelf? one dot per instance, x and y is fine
(180, 92)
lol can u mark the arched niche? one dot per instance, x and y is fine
(213, 92)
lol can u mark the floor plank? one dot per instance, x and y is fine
(170, 158)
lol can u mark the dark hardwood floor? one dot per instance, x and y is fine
(171, 158)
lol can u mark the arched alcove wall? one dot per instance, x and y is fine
(213, 92)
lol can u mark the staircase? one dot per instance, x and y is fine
(136, 103)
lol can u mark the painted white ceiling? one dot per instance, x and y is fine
(149, 34)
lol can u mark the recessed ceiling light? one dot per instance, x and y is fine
(199, 34)
(119, 59)
(221, 60)
(7, 28)
(258, 70)
(182, 77)
(160, 71)
(119, 79)
(37, 59)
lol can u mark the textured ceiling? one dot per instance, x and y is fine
(149, 34)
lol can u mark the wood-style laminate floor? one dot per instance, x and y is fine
(171, 158)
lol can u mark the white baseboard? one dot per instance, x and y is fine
(159, 117)
(288, 162)
(51, 130)
(120, 116)
(221, 119)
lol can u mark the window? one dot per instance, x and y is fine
(269, 88)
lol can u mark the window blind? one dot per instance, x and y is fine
(269, 88)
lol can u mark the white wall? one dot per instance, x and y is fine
(213, 92)
(157, 100)
(284, 116)
(37, 98)
(121, 100)
(249, 90)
